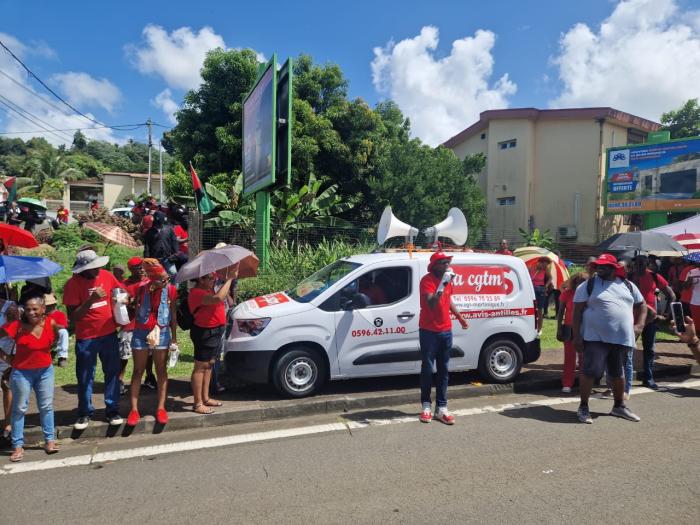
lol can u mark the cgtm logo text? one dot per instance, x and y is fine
(482, 280)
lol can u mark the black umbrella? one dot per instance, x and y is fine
(640, 242)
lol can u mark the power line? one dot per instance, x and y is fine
(8, 106)
(126, 127)
(23, 110)
(32, 74)
(31, 91)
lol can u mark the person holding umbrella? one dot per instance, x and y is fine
(209, 315)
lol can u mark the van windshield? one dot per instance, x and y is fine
(313, 286)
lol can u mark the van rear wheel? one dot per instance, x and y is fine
(299, 372)
(500, 361)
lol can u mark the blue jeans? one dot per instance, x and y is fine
(86, 352)
(21, 383)
(435, 347)
(649, 346)
(62, 344)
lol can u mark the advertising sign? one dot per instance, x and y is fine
(648, 178)
(259, 132)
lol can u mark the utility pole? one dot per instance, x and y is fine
(150, 145)
(160, 162)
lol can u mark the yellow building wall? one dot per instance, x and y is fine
(472, 146)
(116, 188)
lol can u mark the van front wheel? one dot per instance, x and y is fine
(500, 361)
(298, 373)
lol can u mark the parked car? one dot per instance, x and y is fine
(358, 317)
(121, 212)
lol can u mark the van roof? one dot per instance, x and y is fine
(492, 258)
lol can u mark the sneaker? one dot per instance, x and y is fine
(566, 390)
(445, 417)
(115, 420)
(161, 417)
(150, 382)
(584, 415)
(624, 413)
(62, 362)
(426, 416)
(82, 423)
(133, 418)
(650, 384)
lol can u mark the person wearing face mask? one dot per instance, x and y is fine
(88, 298)
(155, 331)
(34, 335)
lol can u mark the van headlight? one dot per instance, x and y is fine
(252, 326)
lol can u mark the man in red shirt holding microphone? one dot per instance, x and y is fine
(435, 331)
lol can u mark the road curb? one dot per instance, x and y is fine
(315, 406)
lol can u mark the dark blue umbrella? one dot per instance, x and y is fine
(20, 268)
(693, 257)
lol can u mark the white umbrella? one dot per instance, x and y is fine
(210, 261)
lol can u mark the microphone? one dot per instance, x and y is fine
(446, 279)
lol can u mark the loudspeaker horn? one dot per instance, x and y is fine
(390, 226)
(453, 227)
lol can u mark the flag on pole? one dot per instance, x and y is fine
(11, 185)
(200, 195)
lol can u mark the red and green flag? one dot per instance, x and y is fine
(200, 194)
(11, 185)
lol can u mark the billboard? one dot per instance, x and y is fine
(649, 178)
(260, 131)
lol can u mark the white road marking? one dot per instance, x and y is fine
(169, 448)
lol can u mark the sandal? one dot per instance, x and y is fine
(17, 455)
(51, 447)
(213, 403)
(201, 408)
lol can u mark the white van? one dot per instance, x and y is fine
(358, 317)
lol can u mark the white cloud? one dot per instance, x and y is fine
(82, 89)
(176, 57)
(441, 96)
(164, 101)
(644, 59)
(44, 111)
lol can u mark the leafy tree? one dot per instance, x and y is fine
(178, 183)
(79, 141)
(684, 121)
(51, 165)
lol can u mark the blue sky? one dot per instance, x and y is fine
(114, 60)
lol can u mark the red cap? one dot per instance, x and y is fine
(437, 256)
(134, 262)
(607, 259)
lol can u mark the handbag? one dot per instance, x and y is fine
(153, 337)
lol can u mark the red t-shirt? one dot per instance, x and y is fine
(131, 286)
(647, 285)
(566, 299)
(31, 352)
(504, 252)
(181, 234)
(434, 319)
(686, 293)
(98, 321)
(146, 223)
(206, 316)
(59, 318)
(155, 303)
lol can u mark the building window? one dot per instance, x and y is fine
(507, 144)
(483, 136)
(506, 201)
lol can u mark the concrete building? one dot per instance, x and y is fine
(545, 169)
(110, 192)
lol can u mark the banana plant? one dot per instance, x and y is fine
(537, 238)
(231, 210)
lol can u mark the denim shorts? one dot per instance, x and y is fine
(541, 297)
(138, 339)
(597, 356)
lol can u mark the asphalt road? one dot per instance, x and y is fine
(523, 464)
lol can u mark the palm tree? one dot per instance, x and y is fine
(50, 164)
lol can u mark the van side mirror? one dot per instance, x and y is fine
(357, 301)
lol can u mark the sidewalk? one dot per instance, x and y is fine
(259, 402)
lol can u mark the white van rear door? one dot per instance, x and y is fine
(382, 338)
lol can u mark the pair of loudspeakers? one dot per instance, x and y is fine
(453, 227)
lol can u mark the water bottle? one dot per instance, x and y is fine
(119, 300)
(174, 355)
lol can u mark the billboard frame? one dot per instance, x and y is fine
(268, 181)
(607, 211)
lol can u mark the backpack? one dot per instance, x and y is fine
(185, 318)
